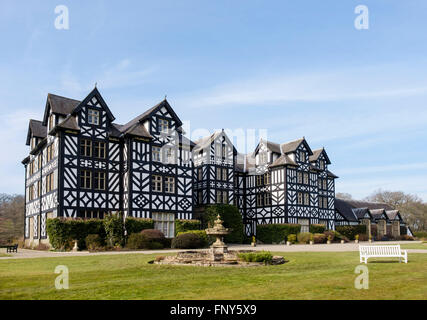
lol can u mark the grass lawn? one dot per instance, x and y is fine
(414, 246)
(307, 275)
(4, 255)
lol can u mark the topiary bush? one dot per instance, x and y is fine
(153, 239)
(319, 238)
(232, 219)
(418, 234)
(114, 230)
(276, 233)
(304, 237)
(187, 241)
(204, 238)
(94, 242)
(317, 228)
(136, 225)
(292, 238)
(261, 256)
(136, 241)
(187, 225)
(351, 231)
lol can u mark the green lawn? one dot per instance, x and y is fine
(4, 255)
(414, 246)
(310, 275)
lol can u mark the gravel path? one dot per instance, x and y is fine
(335, 247)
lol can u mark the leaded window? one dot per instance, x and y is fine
(86, 148)
(99, 149)
(169, 185)
(163, 125)
(157, 183)
(165, 222)
(99, 180)
(86, 179)
(93, 116)
(156, 154)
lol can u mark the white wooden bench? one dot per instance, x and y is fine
(382, 252)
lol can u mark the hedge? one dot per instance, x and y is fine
(186, 225)
(232, 219)
(261, 256)
(135, 225)
(420, 234)
(317, 228)
(351, 231)
(62, 232)
(201, 234)
(187, 241)
(276, 233)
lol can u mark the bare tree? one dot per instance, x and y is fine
(11, 217)
(411, 207)
(344, 196)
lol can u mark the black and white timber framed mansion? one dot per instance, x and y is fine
(83, 165)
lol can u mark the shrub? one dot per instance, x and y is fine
(204, 238)
(363, 237)
(419, 234)
(114, 230)
(351, 231)
(187, 225)
(153, 239)
(135, 225)
(330, 235)
(187, 241)
(59, 232)
(232, 219)
(136, 241)
(261, 256)
(276, 233)
(319, 238)
(317, 228)
(304, 237)
(94, 242)
(292, 238)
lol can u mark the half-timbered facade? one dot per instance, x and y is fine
(81, 164)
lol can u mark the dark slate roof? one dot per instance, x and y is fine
(361, 212)
(330, 174)
(137, 130)
(37, 129)
(317, 153)
(147, 114)
(345, 209)
(115, 130)
(369, 205)
(70, 122)
(62, 105)
(290, 147)
(393, 214)
(283, 160)
(377, 213)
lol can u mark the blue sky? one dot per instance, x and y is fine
(294, 68)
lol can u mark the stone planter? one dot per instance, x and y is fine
(342, 241)
(328, 242)
(370, 240)
(311, 243)
(288, 243)
(253, 244)
(356, 241)
(76, 248)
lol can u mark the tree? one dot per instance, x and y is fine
(11, 217)
(344, 196)
(411, 207)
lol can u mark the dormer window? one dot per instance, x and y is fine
(223, 150)
(93, 117)
(302, 156)
(263, 158)
(163, 125)
(322, 165)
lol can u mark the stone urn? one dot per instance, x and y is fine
(356, 241)
(75, 248)
(288, 243)
(328, 242)
(311, 242)
(342, 241)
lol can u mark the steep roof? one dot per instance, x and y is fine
(291, 146)
(378, 213)
(283, 160)
(204, 142)
(62, 105)
(149, 112)
(37, 129)
(369, 205)
(393, 214)
(360, 213)
(317, 153)
(346, 210)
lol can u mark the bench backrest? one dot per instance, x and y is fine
(380, 250)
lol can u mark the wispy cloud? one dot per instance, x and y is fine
(350, 84)
(385, 168)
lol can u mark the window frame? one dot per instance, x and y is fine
(162, 124)
(164, 221)
(93, 117)
(99, 180)
(99, 146)
(85, 177)
(156, 154)
(169, 185)
(157, 183)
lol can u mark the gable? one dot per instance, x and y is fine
(94, 101)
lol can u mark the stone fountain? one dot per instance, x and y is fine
(217, 255)
(218, 248)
